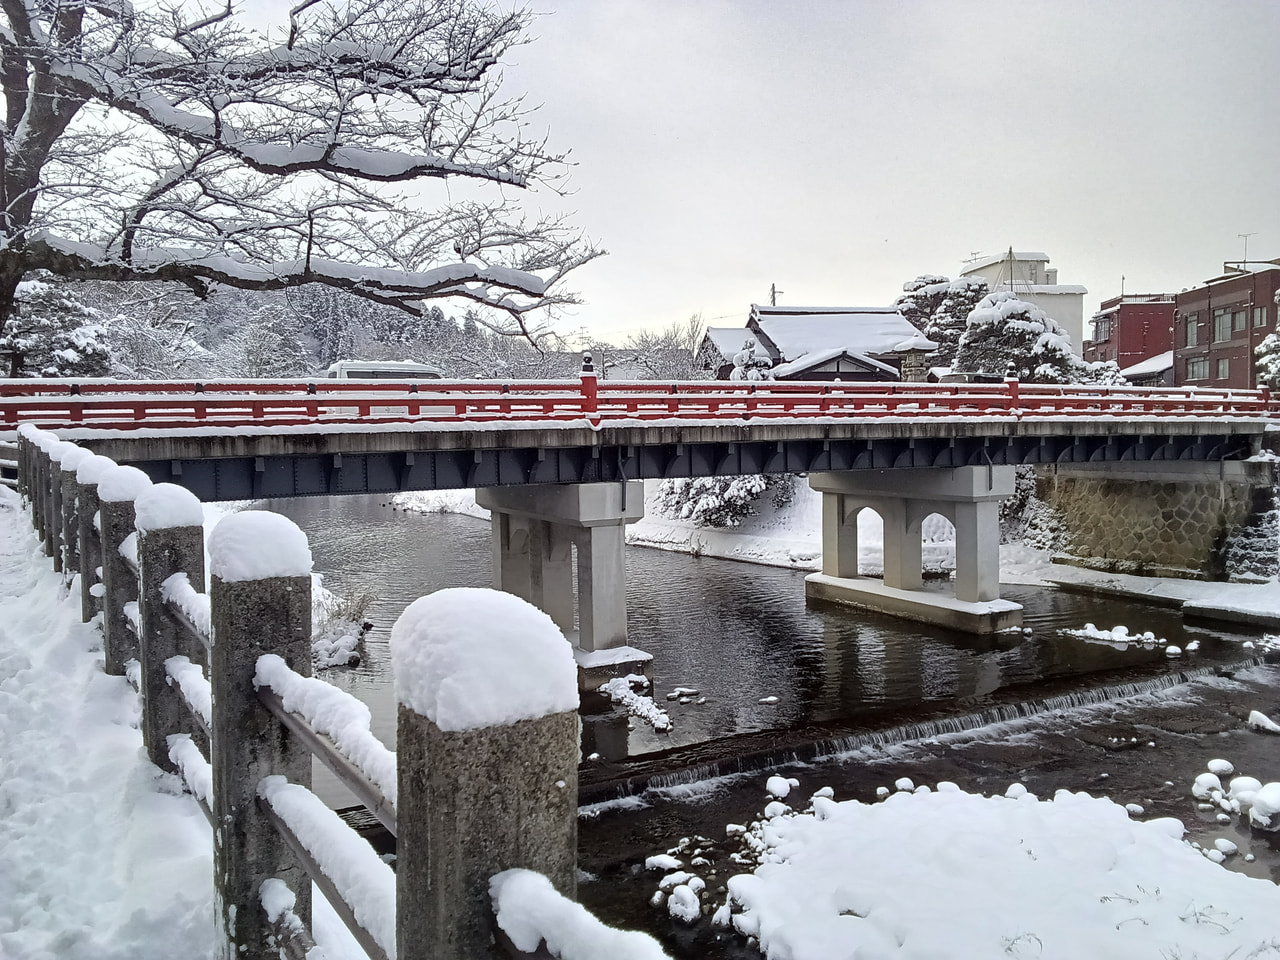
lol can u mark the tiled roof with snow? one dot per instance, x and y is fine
(797, 331)
(1143, 368)
(728, 340)
(819, 357)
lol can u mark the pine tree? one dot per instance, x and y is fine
(947, 323)
(1006, 336)
(53, 333)
(938, 306)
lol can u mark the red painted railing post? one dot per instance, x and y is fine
(590, 403)
(1012, 384)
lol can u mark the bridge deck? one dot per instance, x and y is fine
(249, 439)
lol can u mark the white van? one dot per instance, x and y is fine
(382, 370)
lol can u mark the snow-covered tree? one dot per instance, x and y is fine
(154, 330)
(53, 333)
(666, 354)
(1267, 362)
(161, 141)
(750, 364)
(938, 307)
(1006, 336)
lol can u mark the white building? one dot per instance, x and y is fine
(1029, 276)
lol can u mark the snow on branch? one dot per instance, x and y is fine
(170, 142)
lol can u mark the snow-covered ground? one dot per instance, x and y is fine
(938, 872)
(102, 856)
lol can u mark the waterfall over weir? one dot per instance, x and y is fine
(846, 747)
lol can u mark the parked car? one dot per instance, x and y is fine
(382, 370)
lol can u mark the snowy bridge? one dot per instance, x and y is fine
(556, 462)
(235, 440)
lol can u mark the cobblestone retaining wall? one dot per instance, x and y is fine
(1203, 522)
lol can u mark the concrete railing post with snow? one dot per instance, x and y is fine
(260, 602)
(117, 489)
(42, 498)
(55, 531)
(88, 473)
(24, 457)
(68, 463)
(487, 751)
(170, 541)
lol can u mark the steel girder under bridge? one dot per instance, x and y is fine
(390, 470)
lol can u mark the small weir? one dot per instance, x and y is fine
(744, 755)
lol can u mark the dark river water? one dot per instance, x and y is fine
(762, 660)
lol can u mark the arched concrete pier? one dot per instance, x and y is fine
(967, 496)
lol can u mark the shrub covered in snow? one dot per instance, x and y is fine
(751, 363)
(720, 501)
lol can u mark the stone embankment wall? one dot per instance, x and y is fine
(1191, 520)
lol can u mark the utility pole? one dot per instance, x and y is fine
(773, 294)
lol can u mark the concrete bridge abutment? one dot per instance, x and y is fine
(967, 496)
(562, 547)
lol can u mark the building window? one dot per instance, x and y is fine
(1239, 319)
(1193, 330)
(1102, 330)
(1259, 316)
(1221, 324)
(1198, 369)
(1224, 369)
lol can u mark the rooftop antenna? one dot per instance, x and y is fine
(974, 256)
(773, 294)
(1245, 236)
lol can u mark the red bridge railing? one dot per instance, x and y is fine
(127, 405)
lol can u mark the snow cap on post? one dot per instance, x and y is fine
(467, 658)
(71, 459)
(41, 438)
(122, 483)
(94, 468)
(166, 505)
(256, 545)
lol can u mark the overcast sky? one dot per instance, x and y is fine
(838, 149)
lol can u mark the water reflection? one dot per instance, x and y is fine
(738, 633)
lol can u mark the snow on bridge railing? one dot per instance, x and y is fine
(240, 725)
(125, 405)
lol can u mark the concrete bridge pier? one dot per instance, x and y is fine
(967, 496)
(537, 531)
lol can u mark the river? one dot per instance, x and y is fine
(742, 634)
(763, 662)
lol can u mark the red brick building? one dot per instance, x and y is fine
(1131, 328)
(1218, 324)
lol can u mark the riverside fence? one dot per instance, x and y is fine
(485, 816)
